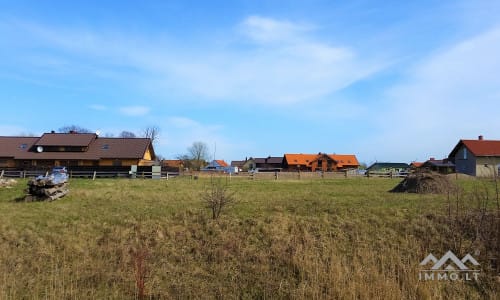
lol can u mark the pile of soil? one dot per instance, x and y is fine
(425, 183)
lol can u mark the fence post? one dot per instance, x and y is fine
(1, 174)
(95, 174)
(167, 175)
(275, 175)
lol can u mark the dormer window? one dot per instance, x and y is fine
(23, 146)
(105, 147)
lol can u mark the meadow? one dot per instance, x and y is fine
(346, 238)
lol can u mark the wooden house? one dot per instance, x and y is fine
(320, 162)
(74, 150)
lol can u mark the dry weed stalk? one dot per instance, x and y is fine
(140, 252)
(217, 196)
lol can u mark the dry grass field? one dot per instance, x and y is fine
(309, 239)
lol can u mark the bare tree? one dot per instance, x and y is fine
(151, 132)
(127, 134)
(217, 196)
(73, 128)
(198, 153)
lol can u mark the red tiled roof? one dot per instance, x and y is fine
(345, 160)
(222, 163)
(300, 159)
(483, 147)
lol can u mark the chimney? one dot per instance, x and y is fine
(432, 158)
(480, 137)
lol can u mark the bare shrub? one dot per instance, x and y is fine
(140, 252)
(217, 196)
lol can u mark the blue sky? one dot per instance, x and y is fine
(385, 80)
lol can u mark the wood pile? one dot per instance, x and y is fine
(50, 187)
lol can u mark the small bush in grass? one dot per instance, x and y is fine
(217, 196)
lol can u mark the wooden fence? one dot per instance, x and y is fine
(88, 174)
(195, 175)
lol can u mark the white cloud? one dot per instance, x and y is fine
(451, 95)
(281, 62)
(134, 111)
(264, 30)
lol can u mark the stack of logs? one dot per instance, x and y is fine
(46, 188)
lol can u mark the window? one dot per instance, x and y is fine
(105, 147)
(465, 153)
(23, 146)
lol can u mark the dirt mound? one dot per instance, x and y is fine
(425, 183)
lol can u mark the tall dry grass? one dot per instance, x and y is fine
(331, 239)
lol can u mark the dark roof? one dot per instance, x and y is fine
(269, 160)
(12, 146)
(237, 163)
(438, 163)
(275, 160)
(120, 148)
(388, 165)
(479, 147)
(66, 139)
(259, 160)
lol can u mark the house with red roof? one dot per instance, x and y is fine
(218, 165)
(319, 162)
(476, 157)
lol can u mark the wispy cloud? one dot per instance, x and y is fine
(265, 30)
(134, 111)
(282, 62)
(451, 95)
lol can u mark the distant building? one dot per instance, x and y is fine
(74, 150)
(476, 157)
(320, 162)
(269, 164)
(172, 165)
(443, 166)
(220, 166)
(388, 167)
